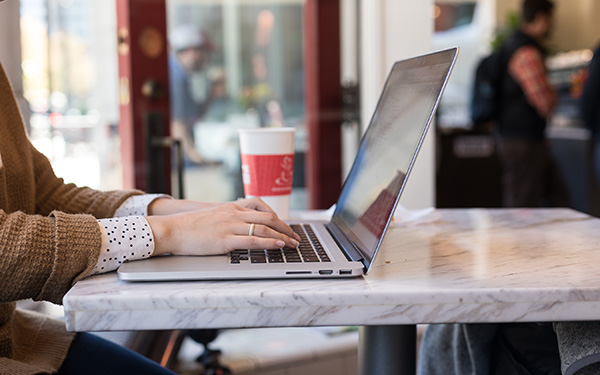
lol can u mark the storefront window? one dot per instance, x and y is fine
(69, 77)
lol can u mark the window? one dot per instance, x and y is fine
(69, 77)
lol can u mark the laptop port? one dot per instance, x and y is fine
(325, 272)
(345, 272)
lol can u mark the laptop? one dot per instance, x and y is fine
(347, 245)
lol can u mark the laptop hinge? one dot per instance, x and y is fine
(343, 242)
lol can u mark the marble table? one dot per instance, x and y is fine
(465, 265)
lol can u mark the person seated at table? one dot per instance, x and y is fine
(53, 234)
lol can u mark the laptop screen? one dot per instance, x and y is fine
(389, 147)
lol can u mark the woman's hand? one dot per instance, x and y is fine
(219, 228)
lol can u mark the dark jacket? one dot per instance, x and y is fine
(518, 119)
(590, 99)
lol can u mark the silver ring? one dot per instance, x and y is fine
(251, 231)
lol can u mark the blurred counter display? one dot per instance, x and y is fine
(570, 142)
(468, 170)
(567, 73)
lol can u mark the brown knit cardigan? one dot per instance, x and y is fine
(49, 239)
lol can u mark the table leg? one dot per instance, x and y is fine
(387, 350)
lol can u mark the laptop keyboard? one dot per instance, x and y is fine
(309, 250)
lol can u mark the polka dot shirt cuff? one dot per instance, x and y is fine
(123, 239)
(138, 205)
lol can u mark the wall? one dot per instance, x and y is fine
(351, 132)
(391, 30)
(10, 48)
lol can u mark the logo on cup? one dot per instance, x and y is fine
(246, 174)
(287, 172)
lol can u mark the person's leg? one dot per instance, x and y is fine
(93, 355)
(526, 349)
(460, 349)
(557, 193)
(522, 174)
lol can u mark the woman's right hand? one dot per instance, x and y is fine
(219, 230)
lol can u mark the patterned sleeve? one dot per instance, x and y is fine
(527, 68)
(127, 236)
(138, 205)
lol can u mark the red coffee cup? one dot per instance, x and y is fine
(268, 166)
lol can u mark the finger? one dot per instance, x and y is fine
(271, 220)
(253, 242)
(255, 204)
(266, 232)
(263, 231)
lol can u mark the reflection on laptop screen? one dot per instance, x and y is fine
(386, 154)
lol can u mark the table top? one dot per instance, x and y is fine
(458, 265)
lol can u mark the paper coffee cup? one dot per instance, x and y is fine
(268, 166)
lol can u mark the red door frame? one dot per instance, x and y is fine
(323, 93)
(143, 86)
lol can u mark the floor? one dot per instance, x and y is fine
(280, 351)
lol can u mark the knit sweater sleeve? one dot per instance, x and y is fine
(41, 257)
(52, 193)
(43, 254)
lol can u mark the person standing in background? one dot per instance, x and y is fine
(191, 89)
(530, 176)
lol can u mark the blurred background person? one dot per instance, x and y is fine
(192, 87)
(529, 174)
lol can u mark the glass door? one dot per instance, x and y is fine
(234, 64)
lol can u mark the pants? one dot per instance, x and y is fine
(530, 177)
(489, 349)
(525, 349)
(93, 355)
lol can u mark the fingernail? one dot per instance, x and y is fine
(280, 243)
(294, 242)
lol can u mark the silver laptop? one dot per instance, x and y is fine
(347, 245)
